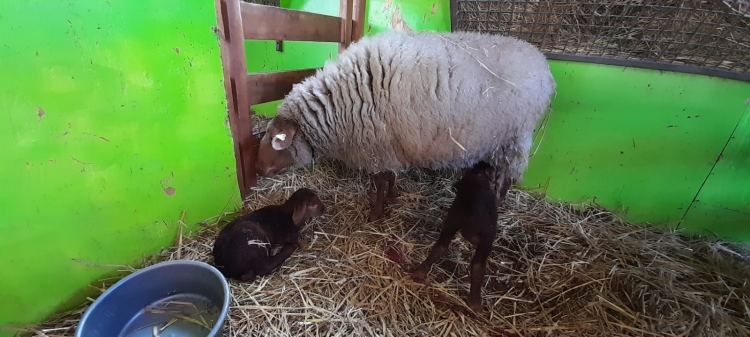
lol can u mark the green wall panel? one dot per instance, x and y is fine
(639, 142)
(722, 206)
(113, 122)
(421, 15)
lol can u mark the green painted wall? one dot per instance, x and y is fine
(643, 142)
(113, 122)
(722, 206)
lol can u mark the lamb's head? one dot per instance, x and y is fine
(274, 153)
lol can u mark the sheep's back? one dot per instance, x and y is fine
(398, 100)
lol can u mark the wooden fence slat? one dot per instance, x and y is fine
(262, 22)
(345, 12)
(272, 86)
(358, 20)
(239, 21)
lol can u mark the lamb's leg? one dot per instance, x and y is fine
(267, 265)
(392, 192)
(449, 230)
(478, 265)
(380, 179)
(249, 276)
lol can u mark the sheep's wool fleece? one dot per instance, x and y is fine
(437, 100)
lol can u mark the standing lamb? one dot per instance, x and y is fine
(474, 214)
(399, 100)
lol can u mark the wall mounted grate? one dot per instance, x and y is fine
(275, 3)
(709, 37)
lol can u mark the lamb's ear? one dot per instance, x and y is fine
(299, 213)
(283, 138)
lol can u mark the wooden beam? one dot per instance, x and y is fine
(262, 22)
(345, 12)
(358, 24)
(234, 66)
(454, 14)
(272, 86)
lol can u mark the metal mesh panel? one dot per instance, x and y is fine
(275, 3)
(710, 37)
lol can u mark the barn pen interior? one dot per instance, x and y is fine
(130, 136)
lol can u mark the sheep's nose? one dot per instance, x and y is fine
(262, 169)
(267, 172)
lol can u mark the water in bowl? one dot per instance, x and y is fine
(182, 315)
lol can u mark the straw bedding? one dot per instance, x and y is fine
(556, 270)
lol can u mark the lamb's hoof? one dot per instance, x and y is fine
(375, 215)
(418, 275)
(391, 198)
(475, 305)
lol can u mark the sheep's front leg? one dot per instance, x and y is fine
(478, 265)
(380, 180)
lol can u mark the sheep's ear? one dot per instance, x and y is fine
(283, 139)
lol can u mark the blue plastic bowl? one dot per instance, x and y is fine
(171, 296)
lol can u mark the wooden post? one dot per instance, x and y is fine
(232, 46)
(358, 20)
(345, 13)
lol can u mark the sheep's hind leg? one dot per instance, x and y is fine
(380, 179)
(392, 191)
(501, 189)
(502, 183)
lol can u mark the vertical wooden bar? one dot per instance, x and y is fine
(358, 24)
(454, 14)
(232, 46)
(345, 12)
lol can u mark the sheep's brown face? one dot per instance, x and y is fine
(273, 152)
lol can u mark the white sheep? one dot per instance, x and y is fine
(398, 100)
